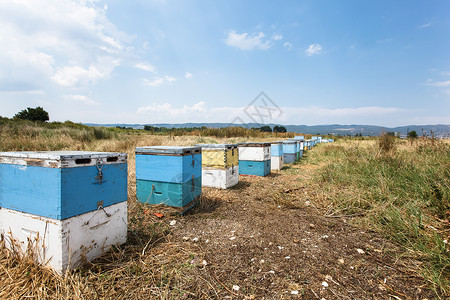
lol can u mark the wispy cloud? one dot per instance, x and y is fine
(80, 99)
(277, 37)
(188, 75)
(313, 49)
(200, 112)
(438, 83)
(288, 46)
(157, 81)
(146, 67)
(246, 41)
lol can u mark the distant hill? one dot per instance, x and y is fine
(335, 129)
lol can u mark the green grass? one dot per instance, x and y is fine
(404, 192)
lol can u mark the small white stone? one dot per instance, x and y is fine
(232, 238)
(207, 241)
(341, 261)
(186, 238)
(195, 240)
(360, 251)
(325, 236)
(287, 257)
(252, 260)
(272, 272)
(262, 261)
(294, 292)
(279, 206)
(279, 247)
(324, 284)
(173, 222)
(204, 262)
(236, 287)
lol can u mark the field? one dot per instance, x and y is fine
(354, 219)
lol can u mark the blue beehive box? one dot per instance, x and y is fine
(276, 148)
(289, 151)
(256, 168)
(254, 159)
(62, 184)
(169, 175)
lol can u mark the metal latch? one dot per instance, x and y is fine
(193, 160)
(193, 183)
(99, 176)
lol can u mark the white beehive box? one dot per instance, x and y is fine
(64, 244)
(218, 178)
(277, 163)
(254, 151)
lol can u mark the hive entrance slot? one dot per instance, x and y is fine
(112, 159)
(81, 161)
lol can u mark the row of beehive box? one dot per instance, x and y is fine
(73, 205)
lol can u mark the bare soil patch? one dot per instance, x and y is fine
(267, 237)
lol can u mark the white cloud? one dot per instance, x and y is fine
(146, 67)
(65, 41)
(80, 99)
(188, 75)
(313, 49)
(277, 37)
(200, 112)
(288, 46)
(157, 81)
(438, 83)
(244, 41)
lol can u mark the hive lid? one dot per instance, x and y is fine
(168, 150)
(61, 159)
(217, 146)
(254, 144)
(289, 142)
(297, 140)
(277, 142)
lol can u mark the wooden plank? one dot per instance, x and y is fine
(62, 244)
(61, 193)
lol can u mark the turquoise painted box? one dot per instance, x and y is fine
(169, 175)
(256, 168)
(276, 148)
(62, 184)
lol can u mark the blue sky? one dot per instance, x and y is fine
(154, 61)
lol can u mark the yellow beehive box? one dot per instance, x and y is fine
(220, 156)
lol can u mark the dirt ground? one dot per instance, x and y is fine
(269, 238)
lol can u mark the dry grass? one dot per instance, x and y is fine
(157, 263)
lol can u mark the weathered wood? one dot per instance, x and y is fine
(62, 192)
(62, 244)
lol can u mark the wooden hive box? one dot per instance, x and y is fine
(62, 184)
(277, 160)
(65, 205)
(220, 165)
(289, 151)
(169, 175)
(254, 159)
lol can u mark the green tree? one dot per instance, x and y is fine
(280, 128)
(33, 114)
(412, 134)
(266, 129)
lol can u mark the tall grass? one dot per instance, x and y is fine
(405, 194)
